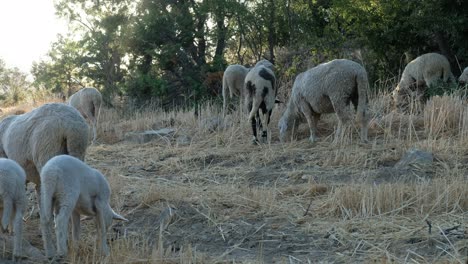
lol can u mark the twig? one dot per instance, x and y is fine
(211, 220)
(308, 207)
(429, 224)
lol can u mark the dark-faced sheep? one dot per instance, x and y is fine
(233, 83)
(71, 188)
(327, 88)
(31, 139)
(88, 102)
(425, 70)
(13, 194)
(260, 95)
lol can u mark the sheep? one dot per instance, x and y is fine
(31, 139)
(260, 94)
(12, 191)
(463, 79)
(426, 70)
(233, 80)
(327, 88)
(266, 63)
(88, 102)
(71, 188)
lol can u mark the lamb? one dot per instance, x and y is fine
(260, 94)
(463, 79)
(88, 102)
(426, 69)
(72, 188)
(233, 80)
(12, 191)
(327, 88)
(31, 139)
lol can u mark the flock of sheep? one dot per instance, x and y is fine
(327, 88)
(47, 146)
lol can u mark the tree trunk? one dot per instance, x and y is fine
(221, 41)
(447, 52)
(271, 32)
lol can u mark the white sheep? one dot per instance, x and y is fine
(31, 139)
(426, 70)
(233, 83)
(327, 88)
(260, 94)
(12, 191)
(88, 102)
(463, 79)
(71, 188)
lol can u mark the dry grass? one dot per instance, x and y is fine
(283, 203)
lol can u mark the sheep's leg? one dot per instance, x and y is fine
(76, 228)
(263, 121)
(62, 229)
(101, 228)
(46, 228)
(363, 122)
(312, 119)
(253, 122)
(18, 229)
(342, 111)
(7, 210)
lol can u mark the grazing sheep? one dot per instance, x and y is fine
(71, 188)
(463, 79)
(12, 191)
(426, 70)
(31, 139)
(260, 94)
(327, 88)
(88, 102)
(233, 80)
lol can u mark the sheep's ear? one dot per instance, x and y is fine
(116, 216)
(278, 101)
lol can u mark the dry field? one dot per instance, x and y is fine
(207, 195)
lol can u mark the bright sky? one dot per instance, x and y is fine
(27, 29)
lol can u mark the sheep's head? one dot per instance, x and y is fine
(284, 126)
(464, 77)
(111, 215)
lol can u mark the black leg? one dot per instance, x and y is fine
(254, 128)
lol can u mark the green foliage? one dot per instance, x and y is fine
(440, 88)
(145, 86)
(14, 86)
(169, 48)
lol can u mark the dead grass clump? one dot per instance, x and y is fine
(443, 115)
(361, 200)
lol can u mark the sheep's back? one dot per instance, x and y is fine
(335, 79)
(37, 136)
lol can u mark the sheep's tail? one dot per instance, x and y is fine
(255, 101)
(363, 86)
(47, 192)
(448, 75)
(97, 111)
(77, 140)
